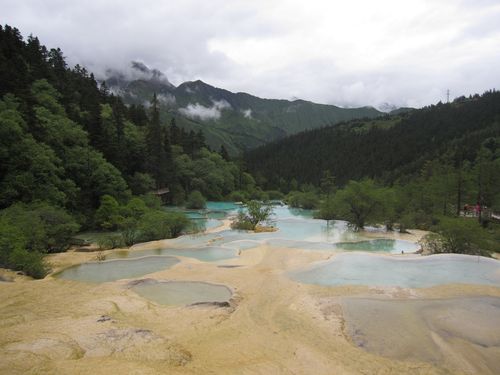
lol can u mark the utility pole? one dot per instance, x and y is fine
(448, 96)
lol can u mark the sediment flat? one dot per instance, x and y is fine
(273, 325)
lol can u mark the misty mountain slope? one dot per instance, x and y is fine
(388, 148)
(239, 121)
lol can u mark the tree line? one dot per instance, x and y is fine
(436, 168)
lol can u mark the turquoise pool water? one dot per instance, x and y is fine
(182, 292)
(209, 217)
(296, 229)
(205, 254)
(222, 206)
(406, 272)
(379, 245)
(201, 225)
(111, 270)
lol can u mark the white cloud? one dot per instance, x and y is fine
(247, 113)
(358, 52)
(199, 111)
(166, 99)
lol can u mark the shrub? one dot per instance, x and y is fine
(30, 262)
(178, 195)
(326, 210)
(14, 253)
(141, 183)
(135, 208)
(242, 222)
(306, 200)
(59, 226)
(154, 225)
(275, 195)
(129, 231)
(11, 237)
(458, 235)
(110, 241)
(108, 215)
(177, 222)
(256, 213)
(152, 201)
(259, 195)
(45, 228)
(238, 196)
(196, 200)
(360, 203)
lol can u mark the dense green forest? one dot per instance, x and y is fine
(421, 169)
(389, 149)
(74, 156)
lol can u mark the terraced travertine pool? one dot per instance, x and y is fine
(298, 230)
(182, 292)
(406, 272)
(453, 328)
(428, 329)
(112, 270)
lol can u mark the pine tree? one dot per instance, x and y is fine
(175, 134)
(223, 152)
(156, 160)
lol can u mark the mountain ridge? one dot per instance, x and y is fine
(240, 121)
(390, 148)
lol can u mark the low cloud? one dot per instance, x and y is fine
(409, 56)
(135, 71)
(166, 99)
(199, 111)
(247, 113)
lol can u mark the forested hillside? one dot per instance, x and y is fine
(73, 155)
(437, 168)
(388, 149)
(238, 121)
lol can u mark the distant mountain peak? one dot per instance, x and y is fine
(139, 66)
(149, 74)
(240, 121)
(386, 107)
(137, 71)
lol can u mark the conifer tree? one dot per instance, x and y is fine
(223, 152)
(156, 160)
(175, 134)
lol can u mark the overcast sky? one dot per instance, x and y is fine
(349, 53)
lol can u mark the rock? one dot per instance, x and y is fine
(103, 318)
(215, 304)
(6, 279)
(52, 348)
(135, 344)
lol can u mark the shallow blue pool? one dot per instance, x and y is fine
(206, 254)
(378, 245)
(406, 272)
(182, 292)
(111, 270)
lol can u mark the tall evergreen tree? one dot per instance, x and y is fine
(223, 152)
(156, 160)
(175, 133)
